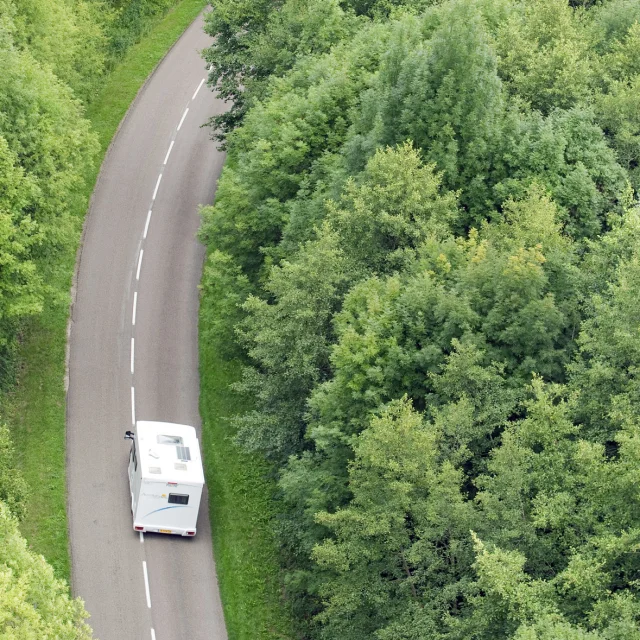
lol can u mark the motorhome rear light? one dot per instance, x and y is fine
(139, 528)
(191, 533)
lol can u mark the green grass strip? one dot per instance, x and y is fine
(241, 510)
(35, 409)
(35, 413)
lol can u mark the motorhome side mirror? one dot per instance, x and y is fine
(129, 435)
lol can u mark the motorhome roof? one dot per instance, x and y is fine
(169, 452)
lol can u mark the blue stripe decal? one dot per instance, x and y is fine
(180, 506)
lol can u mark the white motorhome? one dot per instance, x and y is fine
(165, 477)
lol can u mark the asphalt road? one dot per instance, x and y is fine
(133, 355)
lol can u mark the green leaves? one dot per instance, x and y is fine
(433, 206)
(544, 55)
(67, 37)
(255, 39)
(606, 372)
(393, 207)
(13, 489)
(51, 141)
(45, 147)
(21, 287)
(283, 140)
(443, 94)
(289, 342)
(375, 227)
(391, 545)
(34, 604)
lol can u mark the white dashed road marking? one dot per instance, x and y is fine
(155, 191)
(146, 583)
(139, 264)
(168, 152)
(198, 89)
(184, 115)
(146, 226)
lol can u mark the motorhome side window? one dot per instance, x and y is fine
(133, 455)
(178, 498)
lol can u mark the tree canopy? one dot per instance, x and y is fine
(426, 244)
(34, 604)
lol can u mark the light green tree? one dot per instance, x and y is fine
(67, 36)
(33, 603)
(544, 55)
(21, 285)
(49, 138)
(399, 543)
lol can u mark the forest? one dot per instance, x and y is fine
(425, 250)
(55, 55)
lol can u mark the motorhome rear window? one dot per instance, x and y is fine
(178, 498)
(162, 439)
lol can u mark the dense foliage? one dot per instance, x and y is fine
(426, 244)
(33, 603)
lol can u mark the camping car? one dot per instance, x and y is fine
(165, 477)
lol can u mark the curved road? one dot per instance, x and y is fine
(133, 355)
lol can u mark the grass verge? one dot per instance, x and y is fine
(241, 508)
(35, 409)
